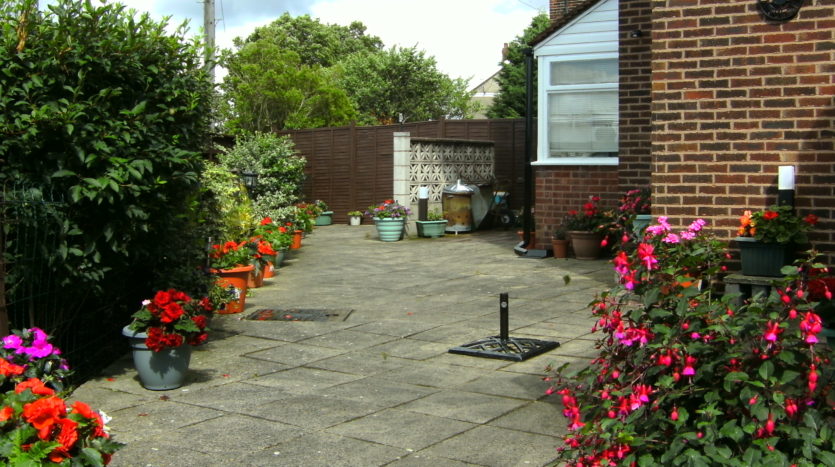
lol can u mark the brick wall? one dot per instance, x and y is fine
(733, 98)
(634, 89)
(560, 189)
(558, 8)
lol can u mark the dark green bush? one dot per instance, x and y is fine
(110, 111)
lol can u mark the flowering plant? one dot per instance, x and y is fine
(278, 236)
(29, 354)
(230, 255)
(589, 219)
(821, 287)
(388, 209)
(685, 376)
(36, 426)
(777, 224)
(304, 216)
(172, 319)
(636, 201)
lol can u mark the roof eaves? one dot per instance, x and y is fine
(567, 18)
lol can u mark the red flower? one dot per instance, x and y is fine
(68, 436)
(266, 221)
(206, 304)
(162, 298)
(198, 339)
(44, 413)
(35, 385)
(172, 340)
(8, 368)
(811, 219)
(87, 412)
(154, 339)
(6, 413)
(770, 215)
(171, 313)
(200, 320)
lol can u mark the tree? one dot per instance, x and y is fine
(510, 101)
(315, 43)
(269, 89)
(402, 84)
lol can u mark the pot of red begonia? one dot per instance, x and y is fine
(162, 334)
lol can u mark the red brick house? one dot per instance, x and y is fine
(712, 97)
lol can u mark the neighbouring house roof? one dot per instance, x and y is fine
(563, 20)
(484, 93)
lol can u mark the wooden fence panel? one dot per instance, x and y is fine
(350, 168)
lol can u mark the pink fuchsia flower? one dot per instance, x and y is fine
(772, 331)
(813, 377)
(791, 407)
(811, 326)
(642, 392)
(621, 262)
(674, 414)
(647, 256)
(689, 370)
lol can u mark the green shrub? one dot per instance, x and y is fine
(280, 172)
(112, 111)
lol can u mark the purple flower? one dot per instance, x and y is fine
(12, 341)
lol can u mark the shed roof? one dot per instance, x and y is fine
(562, 21)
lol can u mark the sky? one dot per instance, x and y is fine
(464, 36)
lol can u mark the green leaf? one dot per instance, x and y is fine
(766, 370)
(809, 420)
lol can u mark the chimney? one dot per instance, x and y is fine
(560, 8)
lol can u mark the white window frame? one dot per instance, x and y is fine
(546, 89)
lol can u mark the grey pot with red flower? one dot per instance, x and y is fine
(161, 337)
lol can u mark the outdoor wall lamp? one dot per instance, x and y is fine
(785, 185)
(636, 33)
(250, 179)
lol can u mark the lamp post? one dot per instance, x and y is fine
(250, 180)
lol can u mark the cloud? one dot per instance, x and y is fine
(464, 36)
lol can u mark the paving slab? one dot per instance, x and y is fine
(379, 386)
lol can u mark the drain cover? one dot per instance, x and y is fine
(299, 314)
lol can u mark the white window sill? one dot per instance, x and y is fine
(577, 161)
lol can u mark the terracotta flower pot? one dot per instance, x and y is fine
(256, 280)
(297, 240)
(235, 278)
(560, 248)
(586, 245)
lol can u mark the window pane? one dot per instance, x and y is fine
(584, 72)
(583, 124)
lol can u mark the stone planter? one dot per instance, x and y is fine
(762, 259)
(432, 229)
(326, 218)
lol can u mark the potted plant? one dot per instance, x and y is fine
(325, 216)
(162, 334)
(354, 217)
(389, 218)
(262, 253)
(434, 225)
(633, 213)
(586, 227)
(559, 242)
(40, 427)
(767, 239)
(231, 263)
(279, 239)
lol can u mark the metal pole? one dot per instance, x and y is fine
(209, 27)
(503, 317)
(526, 215)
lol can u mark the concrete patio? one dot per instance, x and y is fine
(374, 385)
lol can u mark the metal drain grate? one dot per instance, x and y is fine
(299, 314)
